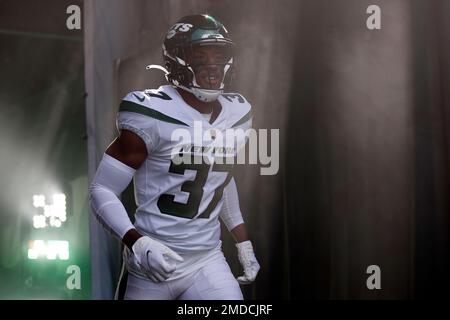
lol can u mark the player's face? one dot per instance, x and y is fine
(208, 64)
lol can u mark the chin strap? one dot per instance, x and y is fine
(205, 95)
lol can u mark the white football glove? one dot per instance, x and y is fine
(248, 260)
(156, 260)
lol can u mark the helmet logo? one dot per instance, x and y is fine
(178, 27)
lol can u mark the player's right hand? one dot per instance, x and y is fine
(156, 260)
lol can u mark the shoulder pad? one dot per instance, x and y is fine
(240, 109)
(153, 103)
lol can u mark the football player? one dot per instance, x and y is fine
(173, 250)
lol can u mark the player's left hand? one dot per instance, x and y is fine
(248, 260)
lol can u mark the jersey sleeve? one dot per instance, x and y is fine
(131, 116)
(230, 212)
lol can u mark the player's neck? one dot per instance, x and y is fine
(200, 106)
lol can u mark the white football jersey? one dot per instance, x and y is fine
(178, 202)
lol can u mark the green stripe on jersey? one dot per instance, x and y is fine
(137, 108)
(244, 119)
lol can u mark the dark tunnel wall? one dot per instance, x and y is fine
(371, 183)
(364, 137)
(431, 52)
(350, 181)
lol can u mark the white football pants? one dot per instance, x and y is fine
(211, 279)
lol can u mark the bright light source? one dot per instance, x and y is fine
(58, 248)
(55, 213)
(38, 200)
(51, 250)
(36, 249)
(54, 222)
(48, 211)
(62, 248)
(39, 221)
(32, 255)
